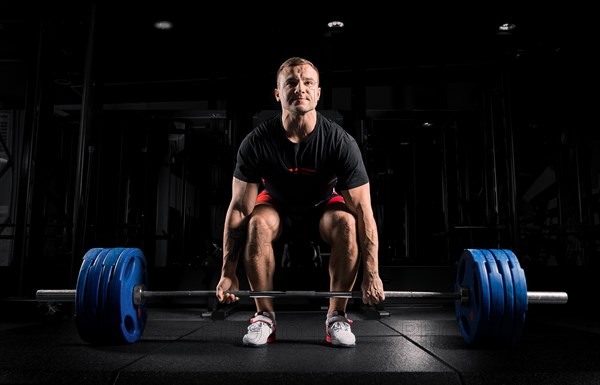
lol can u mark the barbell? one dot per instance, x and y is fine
(490, 297)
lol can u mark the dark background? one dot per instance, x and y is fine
(118, 134)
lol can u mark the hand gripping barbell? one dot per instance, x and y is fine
(491, 296)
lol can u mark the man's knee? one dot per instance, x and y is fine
(263, 224)
(344, 225)
(340, 227)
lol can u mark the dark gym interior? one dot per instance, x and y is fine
(475, 124)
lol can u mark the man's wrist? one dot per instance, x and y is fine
(370, 274)
(228, 270)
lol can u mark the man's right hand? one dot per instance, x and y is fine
(227, 283)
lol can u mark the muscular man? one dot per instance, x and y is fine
(310, 170)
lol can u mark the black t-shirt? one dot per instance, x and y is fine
(301, 175)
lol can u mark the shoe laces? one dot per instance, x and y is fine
(339, 322)
(340, 326)
(255, 327)
(257, 320)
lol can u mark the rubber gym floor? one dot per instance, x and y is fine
(414, 344)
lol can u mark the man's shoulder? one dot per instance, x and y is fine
(328, 124)
(331, 128)
(261, 134)
(266, 126)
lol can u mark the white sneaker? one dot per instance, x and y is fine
(261, 330)
(337, 329)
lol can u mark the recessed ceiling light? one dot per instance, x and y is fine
(507, 27)
(163, 25)
(335, 24)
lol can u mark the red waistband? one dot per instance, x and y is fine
(264, 197)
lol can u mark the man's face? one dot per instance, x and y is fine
(298, 89)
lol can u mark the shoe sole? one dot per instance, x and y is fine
(269, 340)
(255, 346)
(338, 345)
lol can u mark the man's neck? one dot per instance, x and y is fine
(298, 127)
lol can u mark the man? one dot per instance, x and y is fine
(312, 173)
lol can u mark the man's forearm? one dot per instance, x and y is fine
(370, 262)
(369, 246)
(232, 247)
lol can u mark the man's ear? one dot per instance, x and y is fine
(276, 93)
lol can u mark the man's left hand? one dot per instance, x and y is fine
(372, 290)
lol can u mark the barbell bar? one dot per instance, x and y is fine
(142, 296)
(490, 297)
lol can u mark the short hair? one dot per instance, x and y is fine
(294, 62)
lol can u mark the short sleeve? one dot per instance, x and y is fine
(246, 167)
(351, 170)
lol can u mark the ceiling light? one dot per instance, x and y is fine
(163, 25)
(335, 24)
(507, 27)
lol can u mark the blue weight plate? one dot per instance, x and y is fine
(88, 260)
(107, 271)
(496, 294)
(90, 299)
(508, 320)
(83, 323)
(520, 287)
(473, 318)
(92, 287)
(129, 272)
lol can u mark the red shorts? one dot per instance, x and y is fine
(299, 226)
(264, 197)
